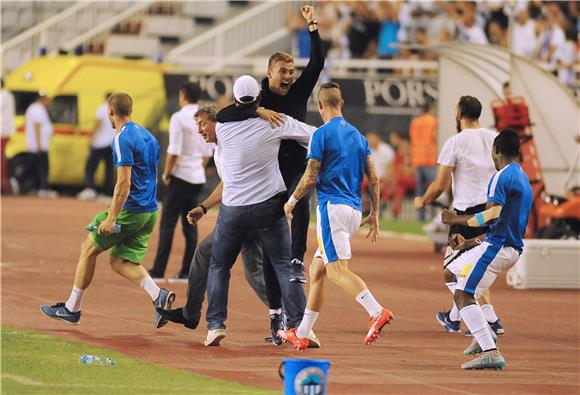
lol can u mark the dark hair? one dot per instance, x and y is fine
(469, 107)
(428, 106)
(507, 143)
(107, 95)
(191, 91)
(121, 103)
(506, 84)
(2, 80)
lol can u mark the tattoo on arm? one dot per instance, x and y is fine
(374, 184)
(308, 179)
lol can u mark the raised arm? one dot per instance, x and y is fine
(312, 71)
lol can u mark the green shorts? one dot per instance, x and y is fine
(131, 243)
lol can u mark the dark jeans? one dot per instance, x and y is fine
(299, 229)
(40, 163)
(424, 175)
(197, 282)
(266, 222)
(179, 199)
(95, 156)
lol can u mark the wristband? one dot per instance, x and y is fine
(313, 22)
(203, 208)
(292, 201)
(479, 218)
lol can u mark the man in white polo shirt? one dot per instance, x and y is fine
(184, 176)
(465, 164)
(252, 204)
(38, 134)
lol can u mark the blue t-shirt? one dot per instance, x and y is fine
(135, 146)
(388, 35)
(342, 152)
(510, 188)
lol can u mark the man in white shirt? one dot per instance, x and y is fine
(550, 39)
(252, 204)
(38, 135)
(8, 111)
(465, 165)
(469, 31)
(103, 136)
(524, 34)
(184, 176)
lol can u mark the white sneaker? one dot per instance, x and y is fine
(214, 337)
(87, 194)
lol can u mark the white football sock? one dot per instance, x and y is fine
(307, 323)
(150, 287)
(489, 313)
(275, 311)
(73, 304)
(368, 301)
(475, 321)
(454, 313)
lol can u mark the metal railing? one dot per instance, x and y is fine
(235, 38)
(67, 29)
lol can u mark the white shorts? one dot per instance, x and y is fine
(480, 266)
(336, 224)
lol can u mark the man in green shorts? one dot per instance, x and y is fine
(125, 228)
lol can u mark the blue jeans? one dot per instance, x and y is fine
(266, 222)
(424, 175)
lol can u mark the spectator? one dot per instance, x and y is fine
(551, 38)
(38, 135)
(363, 31)
(442, 27)
(497, 34)
(7, 124)
(524, 34)
(507, 92)
(389, 31)
(401, 178)
(423, 136)
(566, 58)
(103, 136)
(469, 31)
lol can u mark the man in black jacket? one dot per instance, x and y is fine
(280, 93)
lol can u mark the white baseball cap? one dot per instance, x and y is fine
(246, 88)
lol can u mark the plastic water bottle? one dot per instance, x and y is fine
(91, 228)
(88, 359)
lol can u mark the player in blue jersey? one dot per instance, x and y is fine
(126, 226)
(509, 200)
(338, 158)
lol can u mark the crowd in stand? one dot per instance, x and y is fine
(543, 30)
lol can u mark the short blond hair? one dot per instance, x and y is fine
(121, 103)
(280, 57)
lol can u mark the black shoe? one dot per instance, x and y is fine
(176, 316)
(276, 324)
(297, 271)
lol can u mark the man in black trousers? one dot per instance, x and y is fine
(280, 93)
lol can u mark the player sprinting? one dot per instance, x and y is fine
(338, 158)
(133, 207)
(509, 200)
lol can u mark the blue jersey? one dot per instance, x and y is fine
(135, 146)
(510, 188)
(342, 152)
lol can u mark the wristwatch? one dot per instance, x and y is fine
(203, 208)
(313, 22)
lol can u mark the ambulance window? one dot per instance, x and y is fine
(64, 109)
(22, 100)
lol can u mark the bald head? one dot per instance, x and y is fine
(121, 104)
(329, 95)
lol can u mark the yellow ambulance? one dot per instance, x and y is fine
(76, 86)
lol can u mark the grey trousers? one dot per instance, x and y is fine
(252, 257)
